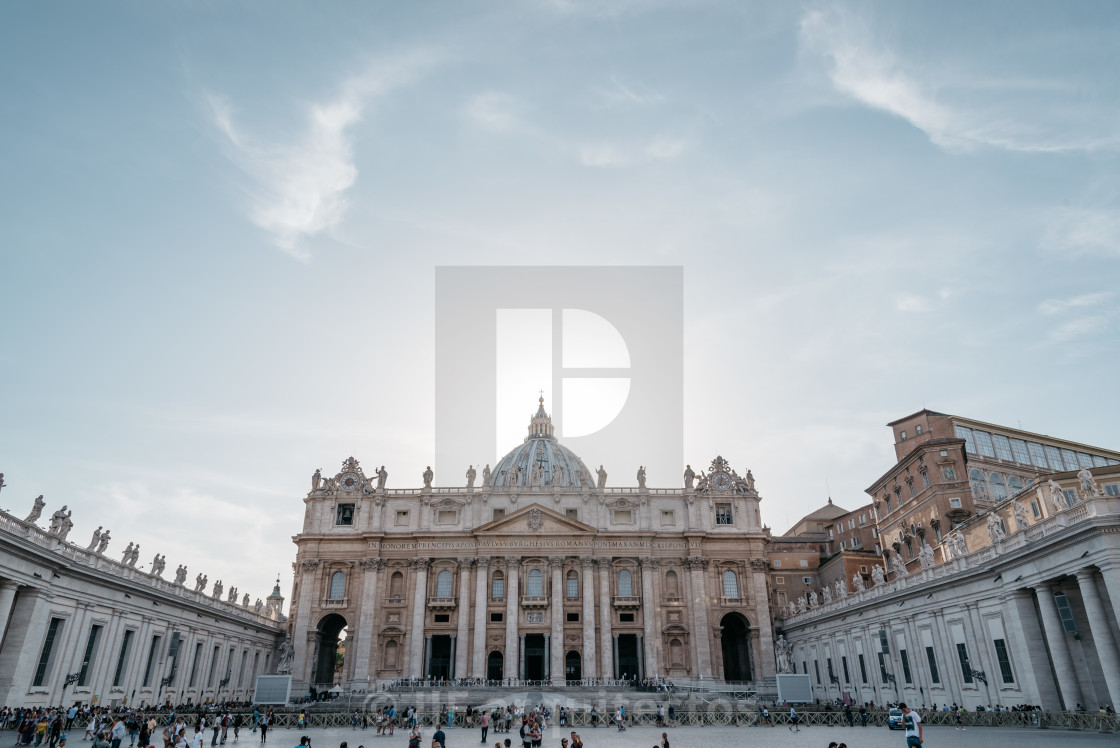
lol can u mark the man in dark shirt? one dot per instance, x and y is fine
(439, 737)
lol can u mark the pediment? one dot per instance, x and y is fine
(534, 519)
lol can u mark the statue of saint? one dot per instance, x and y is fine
(782, 650)
(36, 510)
(750, 481)
(2, 483)
(1057, 497)
(103, 543)
(57, 520)
(641, 476)
(841, 588)
(382, 476)
(514, 476)
(995, 528)
(925, 556)
(826, 595)
(200, 583)
(689, 476)
(218, 587)
(535, 474)
(486, 475)
(287, 651)
(900, 571)
(960, 546)
(877, 576)
(232, 596)
(1088, 485)
(1022, 519)
(812, 599)
(127, 554)
(245, 601)
(317, 479)
(602, 477)
(857, 582)
(470, 476)
(65, 525)
(180, 574)
(428, 475)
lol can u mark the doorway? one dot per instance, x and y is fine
(628, 664)
(439, 662)
(736, 641)
(494, 666)
(330, 629)
(534, 656)
(573, 667)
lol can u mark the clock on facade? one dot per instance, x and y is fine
(350, 481)
(721, 481)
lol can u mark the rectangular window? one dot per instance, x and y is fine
(573, 587)
(984, 444)
(966, 434)
(1019, 447)
(53, 630)
(884, 645)
(723, 514)
(572, 514)
(934, 676)
(1065, 612)
(780, 580)
(817, 670)
(668, 517)
(447, 517)
(1071, 496)
(804, 563)
(1037, 513)
(1054, 457)
(966, 669)
(498, 588)
(902, 435)
(778, 563)
(1003, 447)
(572, 617)
(1086, 461)
(122, 658)
(344, 515)
(1112, 489)
(623, 517)
(905, 666)
(499, 513)
(241, 670)
(1099, 461)
(1070, 459)
(925, 479)
(1038, 455)
(442, 618)
(90, 653)
(1004, 661)
(862, 670)
(955, 503)
(844, 664)
(213, 666)
(852, 523)
(496, 617)
(153, 650)
(625, 617)
(194, 665)
(402, 518)
(806, 580)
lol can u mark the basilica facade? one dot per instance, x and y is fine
(533, 570)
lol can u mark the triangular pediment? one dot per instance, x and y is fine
(534, 519)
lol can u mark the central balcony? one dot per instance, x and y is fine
(534, 602)
(441, 603)
(626, 602)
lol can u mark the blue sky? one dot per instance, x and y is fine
(219, 224)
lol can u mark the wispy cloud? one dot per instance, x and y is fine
(493, 110)
(1084, 231)
(631, 154)
(617, 93)
(1055, 306)
(298, 189)
(961, 112)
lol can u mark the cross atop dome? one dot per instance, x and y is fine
(540, 425)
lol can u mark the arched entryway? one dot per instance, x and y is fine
(736, 641)
(494, 666)
(327, 638)
(573, 666)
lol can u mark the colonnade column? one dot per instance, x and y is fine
(699, 604)
(1055, 636)
(547, 657)
(512, 655)
(419, 606)
(366, 616)
(1102, 635)
(427, 656)
(481, 590)
(588, 664)
(606, 647)
(556, 652)
(649, 614)
(7, 597)
(521, 656)
(766, 666)
(302, 637)
(614, 658)
(463, 628)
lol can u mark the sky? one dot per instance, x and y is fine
(220, 223)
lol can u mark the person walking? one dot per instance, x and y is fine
(484, 723)
(912, 723)
(793, 726)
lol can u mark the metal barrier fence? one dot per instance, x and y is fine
(719, 714)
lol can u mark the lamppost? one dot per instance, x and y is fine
(71, 679)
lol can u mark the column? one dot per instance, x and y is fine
(463, 629)
(1055, 637)
(363, 636)
(513, 581)
(427, 656)
(766, 667)
(28, 623)
(614, 656)
(7, 597)
(606, 648)
(302, 632)
(649, 618)
(452, 667)
(419, 605)
(1110, 575)
(481, 593)
(556, 652)
(1102, 635)
(521, 656)
(547, 656)
(588, 595)
(641, 657)
(699, 604)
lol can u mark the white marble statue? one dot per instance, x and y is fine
(812, 599)
(513, 477)
(231, 597)
(57, 520)
(65, 526)
(689, 476)
(841, 588)
(127, 554)
(1089, 486)
(218, 587)
(134, 556)
(36, 509)
(782, 652)
(750, 481)
(245, 600)
(486, 475)
(925, 556)
(878, 578)
(428, 475)
(641, 476)
(960, 545)
(557, 475)
(800, 605)
(470, 476)
(535, 474)
(257, 606)
(159, 563)
(826, 595)
(200, 583)
(2, 483)
(317, 479)
(382, 476)
(1057, 498)
(103, 543)
(181, 575)
(1022, 519)
(287, 651)
(857, 582)
(900, 571)
(792, 608)
(602, 477)
(995, 528)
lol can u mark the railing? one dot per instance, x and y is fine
(534, 601)
(441, 603)
(626, 601)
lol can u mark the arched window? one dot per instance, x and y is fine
(391, 655)
(338, 586)
(672, 584)
(572, 585)
(676, 653)
(999, 487)
(497, 586)
(1014, 484)
(536, 583)
(730, 585)
(625, 584)
(443, 584)
(396, 585)
(978, 483)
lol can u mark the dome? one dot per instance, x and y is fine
(541, 455)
